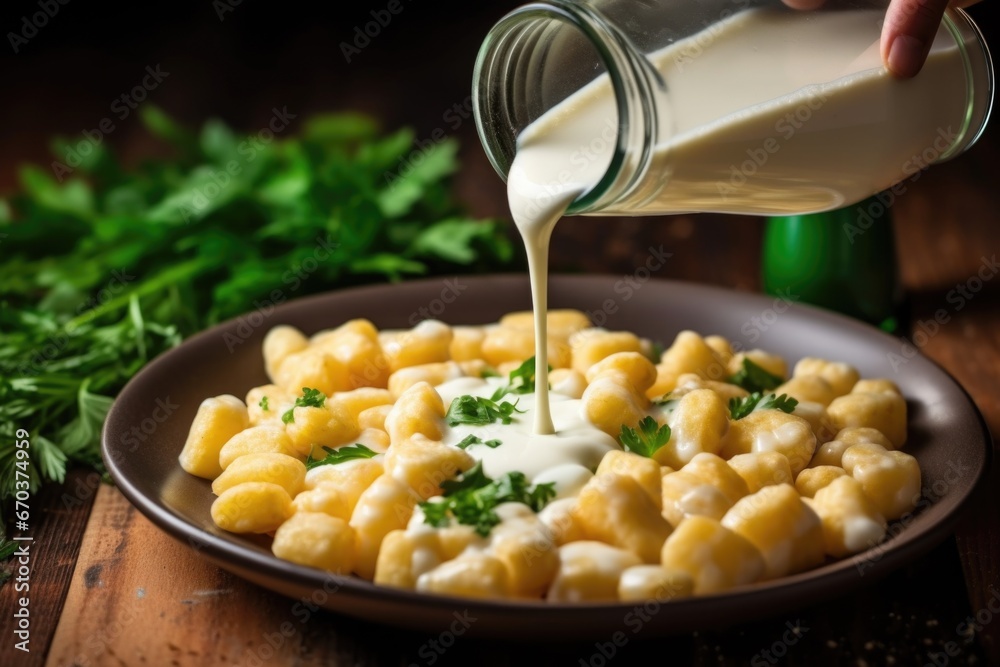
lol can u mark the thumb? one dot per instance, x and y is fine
(909, 30)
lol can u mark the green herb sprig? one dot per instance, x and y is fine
(753, 378)
(479, 411)
(310, 398)
(340, 455)
(521, 380)
(471, 439)
(647, 439)
(741, 407)
(105, 266)
(471, 499)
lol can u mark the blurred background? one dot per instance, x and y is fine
(239, 59)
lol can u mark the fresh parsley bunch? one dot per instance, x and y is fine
(472, 497)
(106, 267)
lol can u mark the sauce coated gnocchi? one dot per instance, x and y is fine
(408, 458)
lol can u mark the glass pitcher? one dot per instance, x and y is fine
(740, 106)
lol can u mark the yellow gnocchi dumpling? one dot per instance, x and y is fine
(473, 575)
(772, 431)
(851, 523)
(252, 507)
(839, 376)
(891, 479)
(218, 420)
(784, 529)
(812, 480)
(641, 583)
(423, 464)
(616, 510)
(715, 557)
(286, 471)
(697, 425)
(589, 572)
(884, 411)
(317, 540)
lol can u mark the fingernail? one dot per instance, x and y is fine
(906, 56)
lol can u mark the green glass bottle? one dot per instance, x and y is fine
(843, 260)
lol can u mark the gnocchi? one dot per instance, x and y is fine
(408, 458)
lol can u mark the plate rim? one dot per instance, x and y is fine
(817, 580)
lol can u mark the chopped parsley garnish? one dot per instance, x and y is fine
(470, 440)
(478, 411)
(263, 404)
(741, 407)
(753, 378)
(340, 455)
(520, 381)
(310, 398)
(471, 499)
(645, 440)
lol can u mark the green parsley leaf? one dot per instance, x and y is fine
(310, 398)
(488, 372)
(472, 497)
(263, 404)
(741, 407)
(107, 265)
(520, 381)
(478, 411)
(647, 439)
(471, 439)
(340, 455)
(753, 378)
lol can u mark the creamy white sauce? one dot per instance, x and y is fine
(733, 147)
(562, 457)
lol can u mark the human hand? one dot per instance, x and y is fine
(908, 32)
(909, 29)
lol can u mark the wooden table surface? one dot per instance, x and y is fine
(109, 588)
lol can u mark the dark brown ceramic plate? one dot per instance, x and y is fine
(148, 424)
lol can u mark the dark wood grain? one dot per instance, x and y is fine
(948, 230)
(136, 597)
(58, 519)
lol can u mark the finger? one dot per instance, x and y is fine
(805, 5)
(910, 26)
